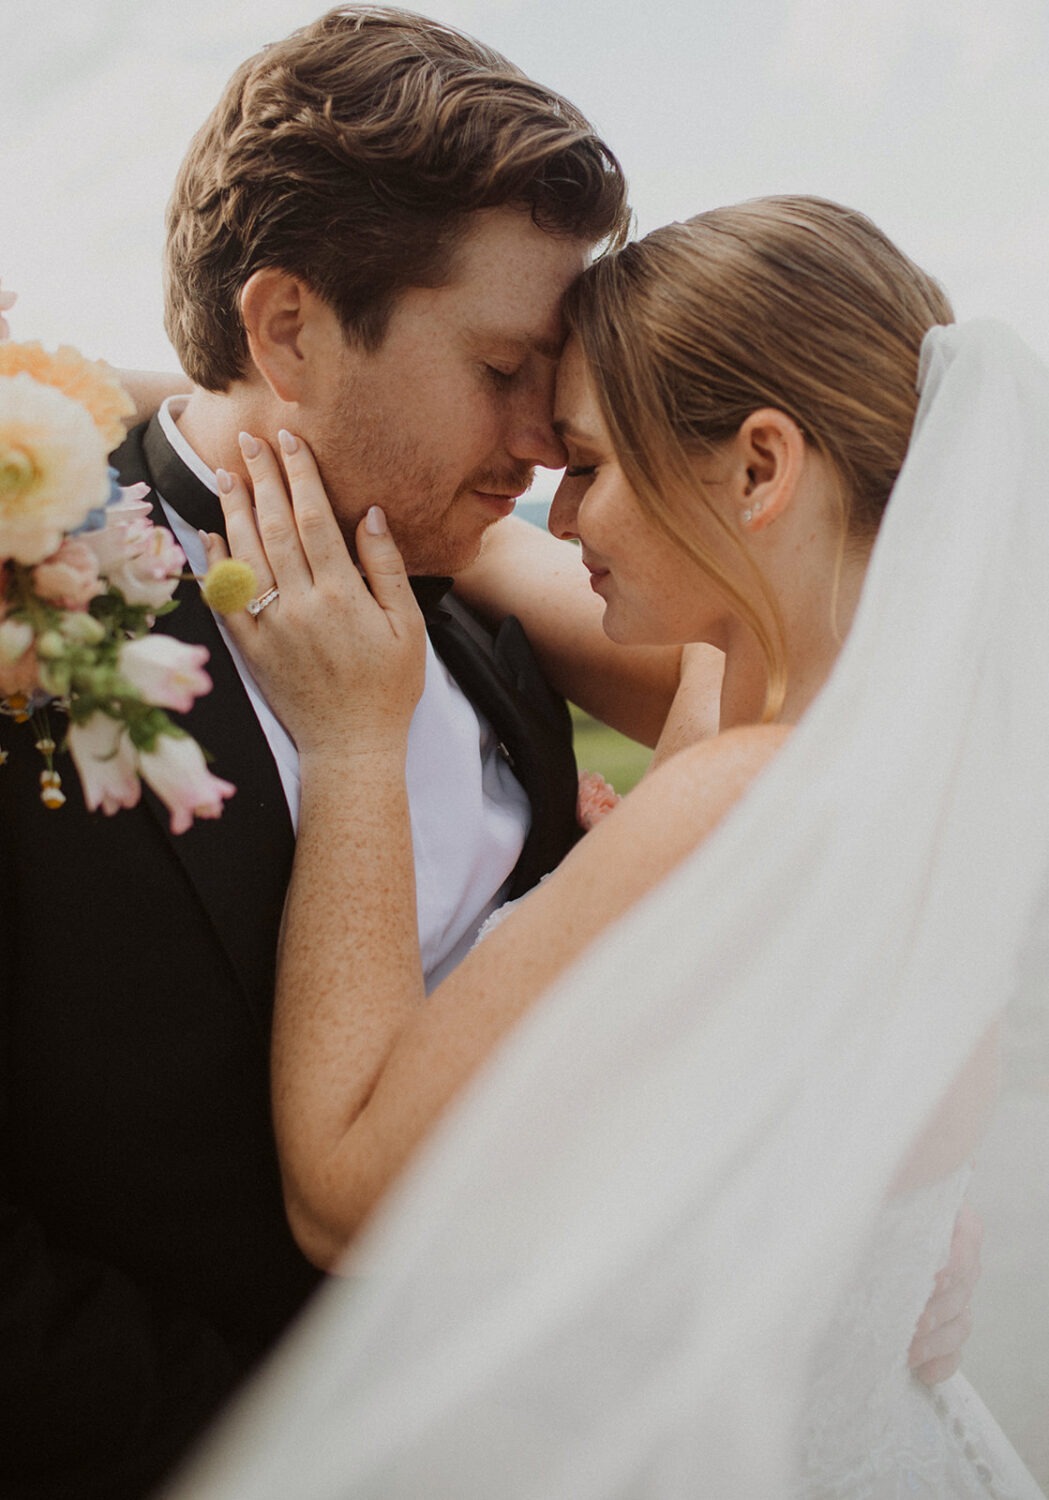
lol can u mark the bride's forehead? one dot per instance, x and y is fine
(577, 411)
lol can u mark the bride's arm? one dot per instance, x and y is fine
(346, 1129)
(149, 388)
(362, 1066)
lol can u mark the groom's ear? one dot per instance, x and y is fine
(767, 455)
(287, 326)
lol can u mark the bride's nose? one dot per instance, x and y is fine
(564, 511)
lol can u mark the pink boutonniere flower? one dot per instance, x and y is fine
(596, 799)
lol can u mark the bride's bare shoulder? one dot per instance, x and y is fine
(733, 752)
(716, 771)
(678, 803)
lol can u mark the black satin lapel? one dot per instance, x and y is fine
(180, 487)
(240, 863)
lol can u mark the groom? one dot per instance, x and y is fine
(368, 242)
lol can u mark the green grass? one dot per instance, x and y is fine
(620, 761)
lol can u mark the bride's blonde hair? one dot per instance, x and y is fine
(791, 302)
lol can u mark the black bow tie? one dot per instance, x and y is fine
(199, 505)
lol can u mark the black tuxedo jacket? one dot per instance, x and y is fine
(145, 1262)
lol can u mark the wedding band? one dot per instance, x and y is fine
(256, 606)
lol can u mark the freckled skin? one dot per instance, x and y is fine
(457, 399)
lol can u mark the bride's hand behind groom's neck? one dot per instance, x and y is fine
(149, 389)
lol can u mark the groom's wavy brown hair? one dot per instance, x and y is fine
(351, 155)
(790, 302)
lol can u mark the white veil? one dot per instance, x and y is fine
(604, 1275)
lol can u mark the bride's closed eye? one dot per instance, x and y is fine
(581, 471)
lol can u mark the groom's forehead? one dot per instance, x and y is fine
(516, 341)
(504, 288)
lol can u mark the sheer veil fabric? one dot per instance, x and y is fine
(606, 1273)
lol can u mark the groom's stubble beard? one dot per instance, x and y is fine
(434, 516)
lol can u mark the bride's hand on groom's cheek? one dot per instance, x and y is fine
(341, 662)
(945, 1325)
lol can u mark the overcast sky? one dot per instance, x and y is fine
(930, 115)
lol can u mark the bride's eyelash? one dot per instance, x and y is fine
(580, 471)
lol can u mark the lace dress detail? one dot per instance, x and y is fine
(874, 1432)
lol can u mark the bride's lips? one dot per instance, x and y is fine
(597, 575)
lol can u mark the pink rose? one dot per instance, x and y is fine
(596, 799)
(69, 577)
(148, 570)
(143, 561)
(106, 762)
(110, 542)
(177, 772)
(165, 672)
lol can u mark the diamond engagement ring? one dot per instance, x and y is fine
(256, 606)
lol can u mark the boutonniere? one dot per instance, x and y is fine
(595, 800)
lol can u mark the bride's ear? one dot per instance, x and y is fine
(768, 455)
(287, 325)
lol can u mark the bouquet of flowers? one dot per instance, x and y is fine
(84, 574)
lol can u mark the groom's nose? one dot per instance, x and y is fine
(531, 438)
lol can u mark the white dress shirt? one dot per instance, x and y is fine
(469, 813)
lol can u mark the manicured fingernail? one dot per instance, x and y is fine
(249, 445)
(375, 521)
(224, 480)
(288, 441)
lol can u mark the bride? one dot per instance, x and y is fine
(652, 1246)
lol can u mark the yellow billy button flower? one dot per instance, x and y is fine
(228, 586)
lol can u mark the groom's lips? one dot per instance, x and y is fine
(504, 504)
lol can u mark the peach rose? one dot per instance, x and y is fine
(89, 382)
